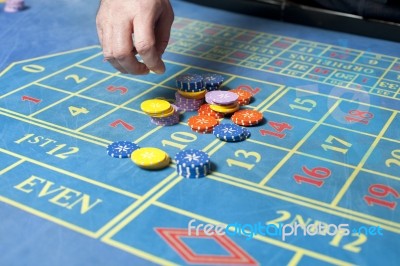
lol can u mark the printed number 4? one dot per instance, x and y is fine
(77, 110)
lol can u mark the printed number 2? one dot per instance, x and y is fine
(395, 160)
(76, 78)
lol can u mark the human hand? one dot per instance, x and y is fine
(150, 23)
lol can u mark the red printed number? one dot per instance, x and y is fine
(123, 123)
(314, 176)
(357, 116)
(122, 90)
(379, 191)
(31, 99)
(279, 128)
(249, 89)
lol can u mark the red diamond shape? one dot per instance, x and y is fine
(236, 254)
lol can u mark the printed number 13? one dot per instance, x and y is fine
(246, 155)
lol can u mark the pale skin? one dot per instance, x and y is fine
(150, 23)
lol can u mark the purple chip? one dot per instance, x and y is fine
(221, 97)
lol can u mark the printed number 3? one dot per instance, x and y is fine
(246, 155)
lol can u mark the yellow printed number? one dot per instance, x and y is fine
(76, 78)
(74, 111)
(247, 155)
(304, 105)
(33, 68)
(395, 160)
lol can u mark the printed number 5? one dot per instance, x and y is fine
(246, 155)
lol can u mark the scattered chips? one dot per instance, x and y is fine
(150, 158)
(121, 149)
(247, 117)
(192, 163)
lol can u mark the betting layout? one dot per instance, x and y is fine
(319, 158)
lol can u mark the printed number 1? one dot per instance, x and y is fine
(381, 191)
(301, 104)
(330, 140)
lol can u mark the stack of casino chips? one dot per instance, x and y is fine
(13, 6)
(224, 102)
(231, 132)
(202, 123)
(162, 113)
(191, 92)
(247, 118)
(205, 109)
(212, 81)
(192, 163)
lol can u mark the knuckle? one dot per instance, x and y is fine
(144, 47)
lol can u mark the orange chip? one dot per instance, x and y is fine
(243, 94)
(247, 117)
(202, 122)
(205, 109)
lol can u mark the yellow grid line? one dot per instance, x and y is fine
(48, 76)
(350, 180)
(298, 145)
(307, 202)
(264, 239)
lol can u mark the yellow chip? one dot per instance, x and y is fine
(161, 165)
(226, 109)
(155, 106)
(166, 114)
(149, 158)
(193, 95)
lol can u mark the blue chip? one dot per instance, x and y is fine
(190, 82)
(211, 79)
(229, 132)
(198, 172)
(192, 158)
(121, 149)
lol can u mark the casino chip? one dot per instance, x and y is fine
(212, 81)
(205, 109)
(244, 96)
(150, 158)
(192, 163)
(246, 117)
(231, 132)
(190, 82)
(202, 123)
(221, 97)
(121, 149)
